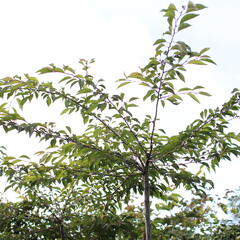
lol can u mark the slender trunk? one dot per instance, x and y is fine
(62, 231)
(148, 230)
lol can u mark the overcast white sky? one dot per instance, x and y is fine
(119, 35)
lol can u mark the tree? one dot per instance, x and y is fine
(96, 173)
(200, 218)
(228, 228)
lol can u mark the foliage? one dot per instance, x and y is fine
(229, 227)
(201, 219)
(83, 180)
(196, 219)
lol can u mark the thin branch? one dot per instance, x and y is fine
(91, 114)
(129, 127)
(118, 110)
(78, 103)
(160, 86)
(196, 131)
(56, 135)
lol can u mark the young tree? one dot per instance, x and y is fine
(118, 154)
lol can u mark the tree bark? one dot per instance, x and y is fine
(148, 230)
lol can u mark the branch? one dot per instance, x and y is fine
(193, 133)
(129, 127)
(78, 103)
(22, 86)
(49, 133)
(160, 85)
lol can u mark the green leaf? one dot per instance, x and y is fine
(149, 93)
(184, 89)
(136, 75)
(123, 84)
(183, 46)
(2, 107)
(170, 14)
(102, 106)
(208, 60)
(69, 129)
(67, 68)
(49, 69)
(45, 70)
(65, 79)
(132, 105)
(30, 79)
(144, 84)
(172, 7)
(194, 7)
(200, 6)
(198, 87)
(180, 75)
(193, 97)
(25, 156)
(85, 118)
(204, 50)
(64, 111)
(159, 41)
(188, 17)
(205, 94)
(85, 90)
(197, 62)
(174, 98)
(133, 99)
(21, 102)
(39, 153)
(235, 90)
(183, 26)
(49, 101)
(163, 103)
(53, 142)
(16, 161)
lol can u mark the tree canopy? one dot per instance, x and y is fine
(83, 184)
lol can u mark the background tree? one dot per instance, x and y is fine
(118, 154)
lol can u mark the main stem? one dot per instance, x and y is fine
(148, 230)
(62, 232)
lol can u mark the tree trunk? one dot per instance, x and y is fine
(62, 231)
(148, 230)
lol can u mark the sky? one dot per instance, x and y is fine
(119, 35)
